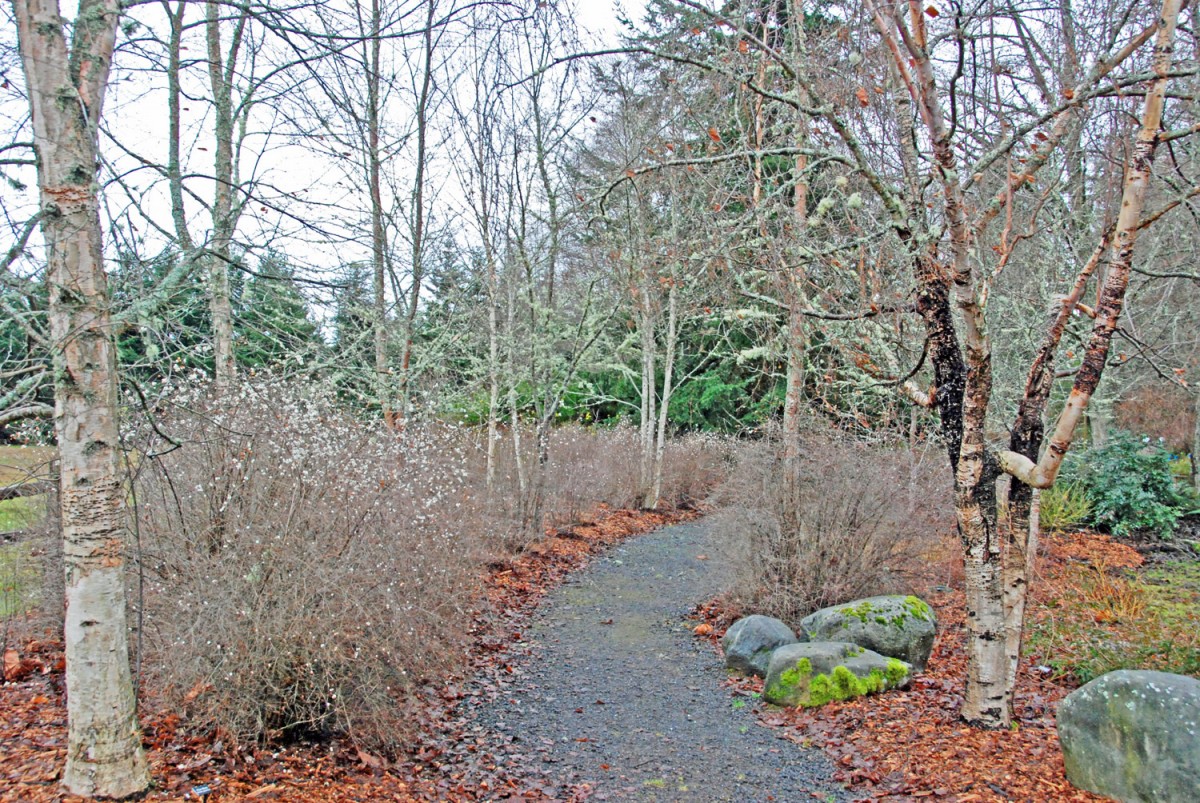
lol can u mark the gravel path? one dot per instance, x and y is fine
(618, 695)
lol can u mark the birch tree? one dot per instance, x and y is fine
(66, 83)
(948, 174)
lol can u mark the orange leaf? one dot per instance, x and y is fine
(714, 135)
(931, 11)
(743, 47)
(861, 94)
(12, 660)
(703, 629)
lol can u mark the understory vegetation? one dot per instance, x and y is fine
(1126, 485)
(298, 572)
(844, 520)
(1098, 618)
(396, 292)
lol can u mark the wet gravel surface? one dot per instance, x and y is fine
(617, 698)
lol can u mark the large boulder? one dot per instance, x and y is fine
(813, 673)
(1134, 736)
(895, 626)
(749, 642)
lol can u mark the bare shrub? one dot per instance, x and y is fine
(849, 520)
(590, 466)
(694, 465)
(302, 570)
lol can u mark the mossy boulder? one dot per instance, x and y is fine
(1134, 735)
(896, 626)
(748, 644)
(814, 673)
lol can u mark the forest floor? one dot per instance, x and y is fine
(599, 684)
(1096, 605)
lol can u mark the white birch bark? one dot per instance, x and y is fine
(220, 72)
(66, 92)
(671, 347)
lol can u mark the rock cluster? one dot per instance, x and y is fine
(849, 650)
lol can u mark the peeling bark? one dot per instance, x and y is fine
(66, 94)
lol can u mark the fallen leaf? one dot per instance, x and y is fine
(262, 790)
(12, 662)
(368, 759)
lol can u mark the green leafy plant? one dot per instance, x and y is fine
(1130, 485)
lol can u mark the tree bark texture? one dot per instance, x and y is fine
(220, 73)
(66, 91)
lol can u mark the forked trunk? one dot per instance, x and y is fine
(1022, 461)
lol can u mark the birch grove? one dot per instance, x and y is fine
(972, 225)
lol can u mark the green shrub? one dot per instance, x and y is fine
(1130, 485)
(1065, 506)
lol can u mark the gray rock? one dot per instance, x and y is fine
(816, 672)
(749, 642)
(896, 626)
(1134, 736)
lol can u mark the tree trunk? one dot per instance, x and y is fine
(649, 397)
(104, 748)
(797, 330)
(418, 211)
(1019, 461)
(175, 129)
(371, 57)
(1196, 441)
(660, 445)
(220, 304)
(1098, 425)
(493, 375)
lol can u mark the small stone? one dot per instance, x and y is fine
(749, 642)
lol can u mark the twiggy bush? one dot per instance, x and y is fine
(847, 520)
(302, 571)
(589, 466)
(694, 466)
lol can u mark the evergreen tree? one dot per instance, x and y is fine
(272, 321)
